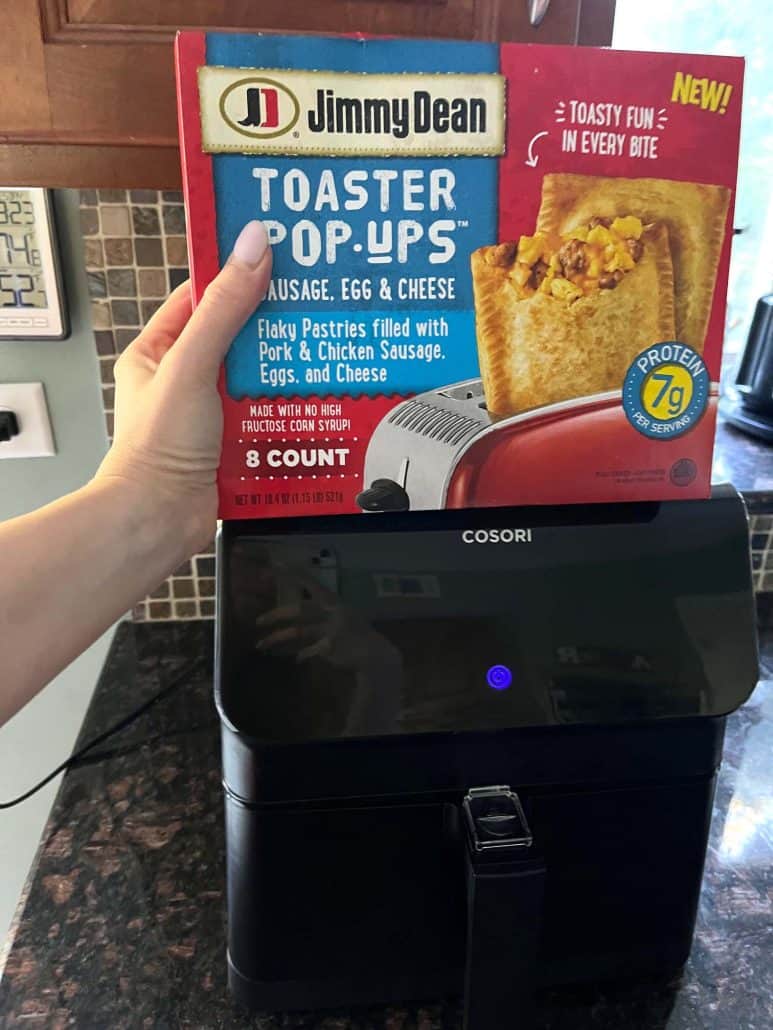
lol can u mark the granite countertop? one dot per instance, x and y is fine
(122, 921)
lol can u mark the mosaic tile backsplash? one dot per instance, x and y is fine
(135, 251)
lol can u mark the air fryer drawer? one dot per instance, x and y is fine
(376, 893)
(344, 891)
(624, 871)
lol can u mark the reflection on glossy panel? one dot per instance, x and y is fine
(391, 626)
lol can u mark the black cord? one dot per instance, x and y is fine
(135, 745)
(173, 684)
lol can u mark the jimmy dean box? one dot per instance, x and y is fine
(499, 271)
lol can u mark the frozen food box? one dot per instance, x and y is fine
(499, 270)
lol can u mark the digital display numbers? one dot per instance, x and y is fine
(22, 282)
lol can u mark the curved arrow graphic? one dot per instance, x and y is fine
(532, 159)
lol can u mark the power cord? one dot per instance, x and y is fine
(176, 681)
(94, 758)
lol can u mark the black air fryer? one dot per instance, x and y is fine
(474, 752)
(752, 410)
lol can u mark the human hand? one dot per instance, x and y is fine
(168, 414)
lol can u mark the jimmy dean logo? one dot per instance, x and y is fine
(298, 112)
(259, 108)
(420, 113)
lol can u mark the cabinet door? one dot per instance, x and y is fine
(87, 86)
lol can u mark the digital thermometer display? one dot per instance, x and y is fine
(31, 304)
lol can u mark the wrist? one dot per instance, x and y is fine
(163, 527)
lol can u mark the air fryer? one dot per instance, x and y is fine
(474, 752)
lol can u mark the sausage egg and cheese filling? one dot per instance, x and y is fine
(591, 257)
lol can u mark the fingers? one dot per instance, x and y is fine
(228, 302)
(138, 363)
(166, 324)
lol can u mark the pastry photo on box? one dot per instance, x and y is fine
(614, 265)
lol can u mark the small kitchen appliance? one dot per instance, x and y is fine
(751, 409)
(474, 752)
(442, 449)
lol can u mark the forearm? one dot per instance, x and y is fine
(69, 571)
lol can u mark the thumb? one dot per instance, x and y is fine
(228, 302)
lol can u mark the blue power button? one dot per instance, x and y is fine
(499, 677)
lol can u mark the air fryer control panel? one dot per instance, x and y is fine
(476, 621)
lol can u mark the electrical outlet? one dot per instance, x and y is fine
(28, 402)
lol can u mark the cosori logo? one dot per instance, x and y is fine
(496, 536)
(261, 108)
(295, 112)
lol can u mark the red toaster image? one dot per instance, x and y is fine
(442, 449)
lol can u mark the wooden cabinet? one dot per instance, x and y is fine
(87, 86)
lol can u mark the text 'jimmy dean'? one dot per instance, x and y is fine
(267, 111)
(400, 116)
